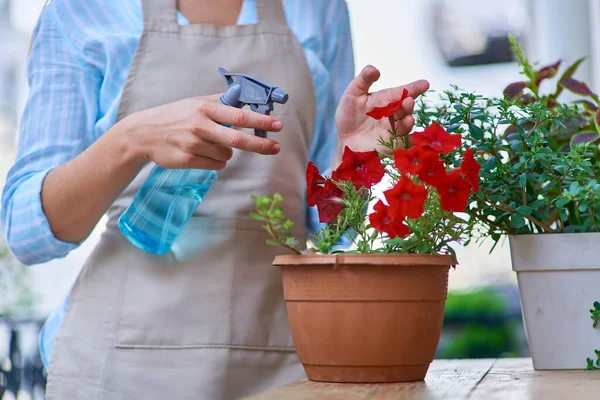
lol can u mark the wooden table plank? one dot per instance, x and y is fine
(446, 379)
(516, 379)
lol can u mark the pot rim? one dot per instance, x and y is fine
(540, 236)
(549, 252)
(366, 259)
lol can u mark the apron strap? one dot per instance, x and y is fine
(160, 11)
(270, 12)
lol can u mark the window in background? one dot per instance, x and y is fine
(475, 32)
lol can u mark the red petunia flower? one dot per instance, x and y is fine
(329, 201)
(383, 220)
(437, 138)
(432, 171)
(313, 182)
(454, 192)
(362, 169)
(390, 109)
(470, 169)
(406, 198)
(409, 161)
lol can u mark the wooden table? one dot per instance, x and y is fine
(488, 379)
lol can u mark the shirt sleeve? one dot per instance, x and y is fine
(57, 124)
(339, 62)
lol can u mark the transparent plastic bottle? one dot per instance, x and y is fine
(163, 205)
(169, 197)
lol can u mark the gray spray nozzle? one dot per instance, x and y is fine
(279, 96)
(248, 90)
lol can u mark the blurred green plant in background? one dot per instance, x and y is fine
(479, 324)
(17, 297)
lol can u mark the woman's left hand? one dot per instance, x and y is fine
(361, 132)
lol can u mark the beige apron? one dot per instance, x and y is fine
(206, 320)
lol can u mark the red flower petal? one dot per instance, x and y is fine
(406, 198)
(383, 220)
(329, 201)
(432, 171)
(390, 109)
(437, 138)
(409, 161)
(313, 182)
(470, 169)
(454, 192)
(362, 169)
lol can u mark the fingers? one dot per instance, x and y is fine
(417, 88)
(405, 125)
(197, 162)
(216, 151)
(363, 82)
(241, 140)
(239, 117)
(408, 107)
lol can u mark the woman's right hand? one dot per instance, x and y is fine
(190, 133)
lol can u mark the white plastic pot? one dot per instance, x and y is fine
(559, 280)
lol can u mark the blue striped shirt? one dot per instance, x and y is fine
(81, 54)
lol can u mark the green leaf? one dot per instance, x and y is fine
(374, 235)
(574, 188)
(563, 215)
(256, 217)
(524, 210)
(514, 136)
(288, 224)
(454, 128)
(277, 198)
(562, 202)
(491, 162)
(497, 198)
(456, 119)
(291, 241)
(523, 180)
(537, 203)
(517, 221)
(476, 132)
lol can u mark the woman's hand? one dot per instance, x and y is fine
(361, 132)
(190, 133)
(184, 134)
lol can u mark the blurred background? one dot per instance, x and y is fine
(460, 42)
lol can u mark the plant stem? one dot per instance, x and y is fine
(505, 207)
(271, 231)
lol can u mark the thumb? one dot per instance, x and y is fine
(363, 82)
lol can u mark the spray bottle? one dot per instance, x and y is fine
(169, 197)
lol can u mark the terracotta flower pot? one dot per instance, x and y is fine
(365, 318)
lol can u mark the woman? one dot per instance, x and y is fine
(117, 87)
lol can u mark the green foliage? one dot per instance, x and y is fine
(530, 182)
(474, 304)
(595, 315)
(476, 340)
(475, 326)
(269, 211)
(16, 295)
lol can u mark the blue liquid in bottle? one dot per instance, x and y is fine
(163, 205)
